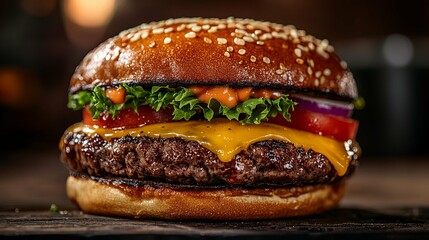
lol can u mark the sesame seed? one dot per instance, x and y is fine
(307, 38)
(229, 49)
(135, 37)
(128, 36)
(268, 35)
(250, 27)
(190, 25)
(252, 58)
(322, 52)
(263, 26)
(144, 26)
(316, 82)
(279, 71)
(167, 40)
(158, 30)
(152, 44)
(181, 27)
(115, 54)
(241, 31)
(327, 72)
(311, 46)
(283, 36)
(168, 30)
(310, 62)
(196, 28)
(160, 23)
(144, 34)
(257, 31)
(296, 40)
(318, 74)
(299, 61)
(241, 51)
(324, 43)
(265, 36)
(297, 52)
(240, 26)
(266, 60)
(239, 41)
(260, 43)
(309, 70)
(190, 35)
(227, 54)
(221, 26)
(301, 33)
(206, 27)
(212, 30)
(169, 21)
(123, 34)
(305, 49)
(293, 33)
(343, 64)
(275, 34)
(248, 39)
(231, 25)
(221, 41)
(282, 66)
(207, 40)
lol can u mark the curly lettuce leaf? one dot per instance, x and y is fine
(184, 103)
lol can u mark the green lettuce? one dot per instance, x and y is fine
(184, 103)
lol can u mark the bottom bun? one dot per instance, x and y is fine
(112, 198)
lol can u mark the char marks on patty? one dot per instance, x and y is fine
(174, 160)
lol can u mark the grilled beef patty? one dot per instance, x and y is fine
(174, 160)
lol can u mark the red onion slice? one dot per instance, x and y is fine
(324, 106)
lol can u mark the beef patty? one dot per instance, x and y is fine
(174, 160)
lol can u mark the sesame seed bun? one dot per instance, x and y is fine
(236, 52)
(167, 203)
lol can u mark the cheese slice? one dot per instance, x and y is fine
(228, 138)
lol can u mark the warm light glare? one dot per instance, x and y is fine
(90, 13)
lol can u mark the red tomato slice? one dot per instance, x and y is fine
(339, 128)
(127, 118)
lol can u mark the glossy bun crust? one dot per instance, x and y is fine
(99, 197)
(236, 52)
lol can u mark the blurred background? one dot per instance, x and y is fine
(385, 42)
(386, 45)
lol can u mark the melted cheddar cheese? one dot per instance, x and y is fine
(228, 138)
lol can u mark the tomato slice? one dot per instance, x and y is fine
(339, 128)
(127, 118)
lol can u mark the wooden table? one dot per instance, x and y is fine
(386, 198)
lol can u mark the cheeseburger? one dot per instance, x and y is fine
(224, 119)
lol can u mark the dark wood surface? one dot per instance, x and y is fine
(385, 199)
(342, 222)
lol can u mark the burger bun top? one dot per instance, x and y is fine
(235, 52)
